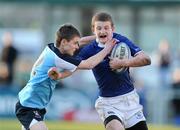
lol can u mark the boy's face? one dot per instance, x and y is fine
(103, 31)
(69, 47)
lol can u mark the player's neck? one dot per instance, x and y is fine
(100, 44)
(62, 51)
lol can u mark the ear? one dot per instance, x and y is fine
(63, 41)
(92, 29)
(113, 28)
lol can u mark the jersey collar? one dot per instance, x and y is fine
(99, 44)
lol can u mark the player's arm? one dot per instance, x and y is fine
(53, 73)
(85, 40)
(96, 59)
(140, 59)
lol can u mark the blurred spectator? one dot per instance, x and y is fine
(3, 72)
(176, 97)
(8, 57)
(164, 62)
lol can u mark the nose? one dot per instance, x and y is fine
(102, 30)
(77, 46)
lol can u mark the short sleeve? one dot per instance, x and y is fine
(133, 47)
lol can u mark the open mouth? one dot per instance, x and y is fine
(102, 36)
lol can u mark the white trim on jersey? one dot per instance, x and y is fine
(60, 63)
(137, 53)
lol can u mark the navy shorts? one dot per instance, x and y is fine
(26, 114)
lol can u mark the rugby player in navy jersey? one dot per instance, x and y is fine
(118, 103)
(34, 97)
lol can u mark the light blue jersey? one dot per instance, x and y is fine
(38, 91)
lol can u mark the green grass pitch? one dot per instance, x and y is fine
(8, 124)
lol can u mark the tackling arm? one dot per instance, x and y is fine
(85, 40)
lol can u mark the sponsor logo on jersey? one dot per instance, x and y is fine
(110, 112)
(139, 115)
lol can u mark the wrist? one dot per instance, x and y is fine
(107, 49)
(127, 63)
(59, 76)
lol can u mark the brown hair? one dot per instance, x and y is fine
(102, 16)
(66, 31)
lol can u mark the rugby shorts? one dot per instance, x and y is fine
(29, 116)
(126, 108)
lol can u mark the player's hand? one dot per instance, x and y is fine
(110, 44)
(116, 63)
(53, 73)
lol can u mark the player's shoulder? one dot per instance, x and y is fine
(52, 49)
(124, 39)
(88, 49)
(91, 45)
(51, 46)
(119, 37)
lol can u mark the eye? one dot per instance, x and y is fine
(76, 43)
(106, 28)
(98, 28)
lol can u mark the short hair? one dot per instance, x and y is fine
(66, 31)
(102, 16)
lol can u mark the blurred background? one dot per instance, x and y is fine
(26, 27)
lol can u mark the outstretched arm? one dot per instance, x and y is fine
(85, 40)
(141, 59)
(96, 59)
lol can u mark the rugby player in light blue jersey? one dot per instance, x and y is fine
(35, 96)
(118, 103)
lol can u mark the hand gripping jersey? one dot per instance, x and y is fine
(38, 91)
(110, 83)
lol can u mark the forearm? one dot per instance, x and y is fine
(64, 74)
(94, 60)
(139, 60)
